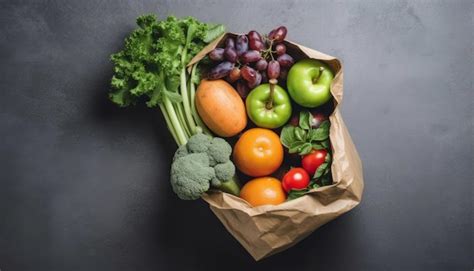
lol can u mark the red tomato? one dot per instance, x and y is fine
(296, 178)
(312, 161)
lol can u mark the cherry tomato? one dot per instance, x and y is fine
(312, 161)
(296, 178)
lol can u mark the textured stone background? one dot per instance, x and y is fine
(84, 185)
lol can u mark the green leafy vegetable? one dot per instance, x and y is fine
(305, 148)
(302, 139)
(305, 120)
(287, 136)
(319, 134)
(152, 65)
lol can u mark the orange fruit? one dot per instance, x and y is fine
(258, 152)
(262, 191)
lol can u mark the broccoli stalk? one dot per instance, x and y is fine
(203, 163)
(230, 186)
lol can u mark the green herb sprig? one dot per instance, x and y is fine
(302, 139)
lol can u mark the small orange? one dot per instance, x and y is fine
(262, 191)
(258, 152)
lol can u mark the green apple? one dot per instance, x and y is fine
(268, 106)
(309, 81)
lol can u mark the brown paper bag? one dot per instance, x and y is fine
(266, 230)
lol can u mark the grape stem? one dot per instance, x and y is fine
(315, 79)
(268, 51)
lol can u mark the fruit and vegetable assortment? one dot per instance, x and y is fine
(250, 119)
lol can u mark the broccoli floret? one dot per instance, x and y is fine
(225, 171)
(212, 161)
(191, 175)
(220, 150)
(225, 179)
(199, 143)
(216, 182)
(180, 152)
(202, 162)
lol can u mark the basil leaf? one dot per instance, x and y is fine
(300, 134)
(318, 146)
(294, 194)
(327, 171)
(295, 146)
(328, 158)
(305, 119)
(293, 150)
(287, 136)
(326, 144)
(325, 126)
(305, 148)
(314, 185)
(318, 134)
(319, 172)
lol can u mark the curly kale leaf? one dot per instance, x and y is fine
(154, 56)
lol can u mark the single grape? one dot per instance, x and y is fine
(254, 35)
(234, 74)
(221, 70)
(280, 34)
(256, 45)
(230, 42)
(273, 69)
(217, 54)
(241, 44)
(256, 81)
(259, 78)
(261, 65)
(250, 56)
(248, 73)
(280, 49)
(230, 54)
(242, 89)
(271, 35)
(285, 60)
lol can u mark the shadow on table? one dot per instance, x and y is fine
(192, 238)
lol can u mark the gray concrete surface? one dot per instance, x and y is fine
(84, 185)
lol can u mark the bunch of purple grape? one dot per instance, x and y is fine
(250, 60)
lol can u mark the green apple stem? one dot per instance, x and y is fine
(315, 79)
(269, 104)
